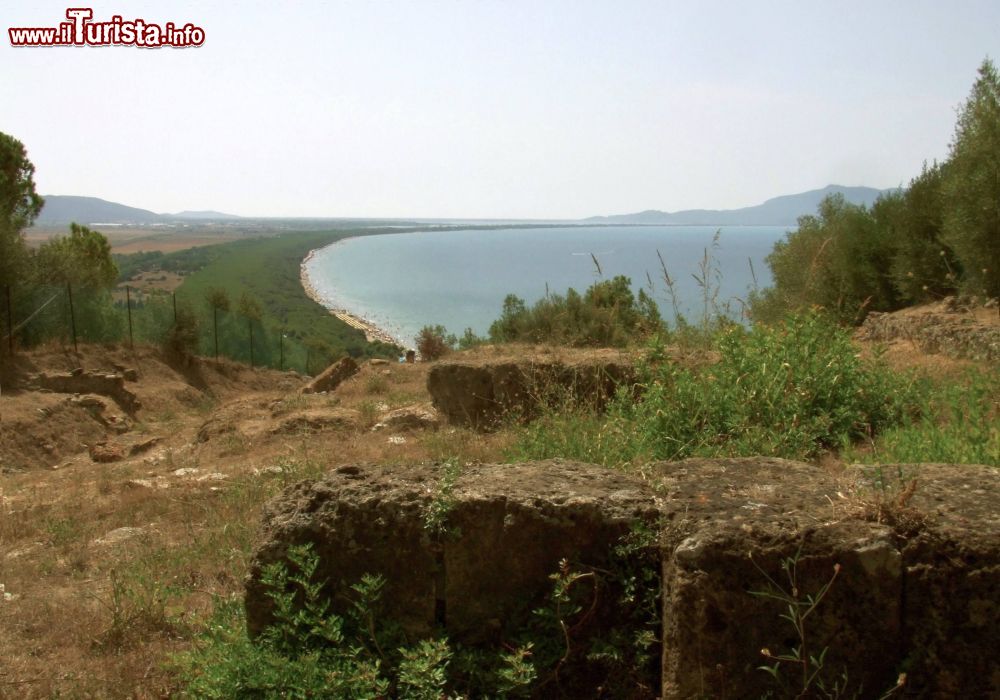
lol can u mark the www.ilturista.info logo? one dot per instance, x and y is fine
(81, 31)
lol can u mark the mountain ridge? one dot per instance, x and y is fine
(783, 210)
(64, 209)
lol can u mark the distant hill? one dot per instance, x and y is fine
(213, 215)
(63, 209)
(779, 211)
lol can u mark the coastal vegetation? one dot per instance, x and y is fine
(939, 236)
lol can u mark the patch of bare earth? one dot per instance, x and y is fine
(118, 530)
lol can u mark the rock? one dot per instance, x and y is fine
(185, 471)
(483, 392)
(396, 440)
(316, 420)
(131, 375)
(100, 408)
(80, 382)
(377, 361)
(511, 525)
(414, 417)
(106, 452)
(949, 327)
(912, 567)
(119, 535)
(332, 376)
(116, 450)
(716, 512)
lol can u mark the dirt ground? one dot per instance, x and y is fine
(107, 568)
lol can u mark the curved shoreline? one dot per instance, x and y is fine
(372, 332)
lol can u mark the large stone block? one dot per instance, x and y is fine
(507, 527)
(481, 392)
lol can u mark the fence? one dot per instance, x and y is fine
(73, 315)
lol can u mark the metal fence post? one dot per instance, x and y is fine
(72, 316)
(10, 322)
(250, 324)
(128, 306)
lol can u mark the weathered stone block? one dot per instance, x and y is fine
(507, 528)
(481, 393)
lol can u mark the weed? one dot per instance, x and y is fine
(436, 513)
(376, 384)
(811, 677)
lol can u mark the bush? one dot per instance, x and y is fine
(793, 390)
(433, 342)
(606, 315)
(181, 341)
(311, 652)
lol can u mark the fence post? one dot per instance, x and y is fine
(72, 316)
(250, 324)
(10, 323)
(128, 306)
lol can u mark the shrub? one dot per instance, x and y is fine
(181, 341)
(792, 390)
(433, 342)
(607, 314)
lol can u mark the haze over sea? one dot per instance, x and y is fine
(459, 278)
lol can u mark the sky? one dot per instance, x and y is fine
(493, 109)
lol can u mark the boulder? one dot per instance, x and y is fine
(505, 529)
(415, 417)
(482, 392)
(332, 376)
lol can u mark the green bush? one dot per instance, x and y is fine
(792, 390)
(607, 314)
(553, 650)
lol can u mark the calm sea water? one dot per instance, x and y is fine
(459, 279)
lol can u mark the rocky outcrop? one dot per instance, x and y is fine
(332, 376)
(910, 553)
(483, 392)
(80, 382)
(949, 327)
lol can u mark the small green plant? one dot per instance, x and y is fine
(807, 672)
(436, 512)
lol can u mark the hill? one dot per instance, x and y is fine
(779, 211)
(63, 209)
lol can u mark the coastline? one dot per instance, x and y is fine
(372, 332)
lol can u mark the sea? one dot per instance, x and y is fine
(401, 282)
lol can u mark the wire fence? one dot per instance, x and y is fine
(73, 315)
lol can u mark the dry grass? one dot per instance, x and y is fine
(92, 617)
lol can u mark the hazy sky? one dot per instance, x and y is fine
(474, 108)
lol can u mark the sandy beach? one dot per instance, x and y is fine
(372, 332)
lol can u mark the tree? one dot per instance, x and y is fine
(19, 205)
(972, 186)
(923, 266)
(83, 259)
